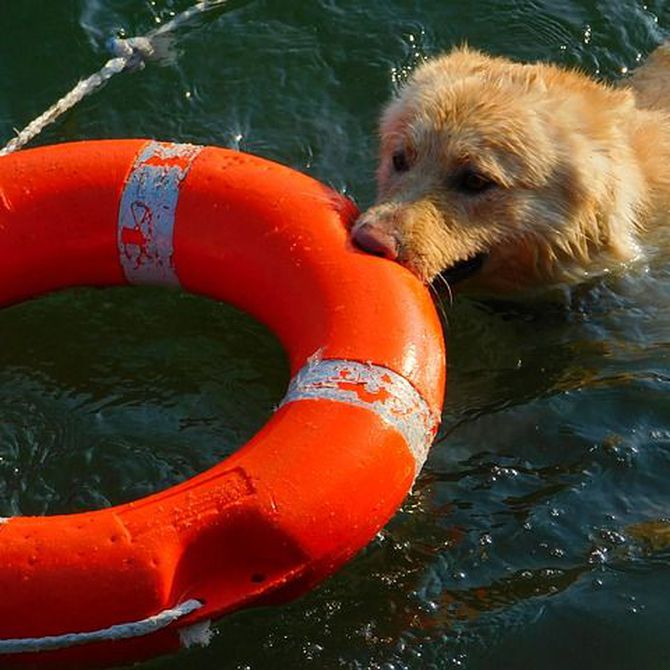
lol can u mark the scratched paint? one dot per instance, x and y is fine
(147, 212)
(373, 387)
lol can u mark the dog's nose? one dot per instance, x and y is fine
(376, 241)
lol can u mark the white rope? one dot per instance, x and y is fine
(130, 54)
(121, 631)
(78, 93)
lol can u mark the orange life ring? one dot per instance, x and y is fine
(329, 468)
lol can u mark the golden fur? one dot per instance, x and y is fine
(569, 172)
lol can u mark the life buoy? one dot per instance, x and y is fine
(325, 473)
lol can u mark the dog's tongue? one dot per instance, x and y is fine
(464, 269)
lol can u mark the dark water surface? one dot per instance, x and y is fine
(538, 535)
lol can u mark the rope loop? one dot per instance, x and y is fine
(136, 51)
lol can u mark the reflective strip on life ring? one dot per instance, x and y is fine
(147, 212)
(316, 483)
(375, 388)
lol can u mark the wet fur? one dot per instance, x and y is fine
(581, 169)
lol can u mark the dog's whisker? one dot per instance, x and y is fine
(439, 305)
(447, 285)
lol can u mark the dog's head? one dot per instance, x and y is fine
(502, 173)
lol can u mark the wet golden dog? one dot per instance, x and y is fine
(509, 176)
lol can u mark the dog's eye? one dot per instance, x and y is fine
(400, 161)
(473, 182)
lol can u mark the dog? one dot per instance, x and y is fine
(503, 176)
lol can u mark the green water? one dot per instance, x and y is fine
(538, 535)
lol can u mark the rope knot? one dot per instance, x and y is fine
(130, 54)
(136, 51)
